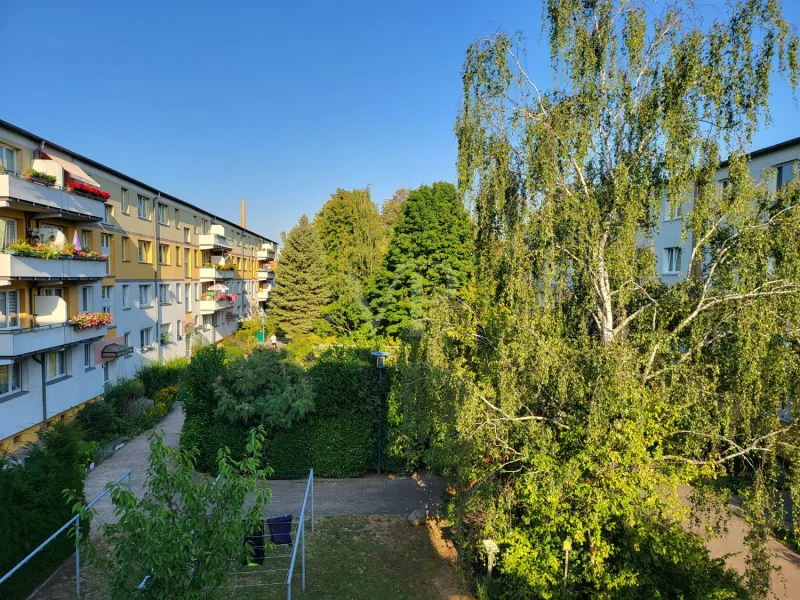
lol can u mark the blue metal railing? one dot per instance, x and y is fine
(73, 521)
(301, 537)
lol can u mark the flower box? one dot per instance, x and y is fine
(87, 191)
(39, 177)
(83, 321)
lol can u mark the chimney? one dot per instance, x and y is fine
(244, 220)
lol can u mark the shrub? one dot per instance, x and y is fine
(156, 376)
(344, 379)
(288, 452)
(208, 436)
(342, 446)
(197, 380)
(32, 507)
(124, 395)
(167, 397)
(98, 421)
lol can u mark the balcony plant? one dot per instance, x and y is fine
(39, 177)
(93, 320)
(49, 251)
(231, 297)
(224, 266)
(166, 338)
(87, 191)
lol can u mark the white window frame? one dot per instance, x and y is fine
(163, 214)
(10, 318)
(86, 298)
(107, 292)
(187, 233)
(88, 356)
(13, 377)
(148, 295)
(670, 255)
(179, 328)
(126, 295)
(60, 365)
(126, 242)
(163, 293)
(5, 151)
(143, 244)
(165, 248)
(178, 293)
(177, 216)
(204, 226)
(107, 214)
(146, 339)
(123, 200)
(143, 207)
(85, 239)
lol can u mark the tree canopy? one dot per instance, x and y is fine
(302, 292)
(430, 253)
(582, 391)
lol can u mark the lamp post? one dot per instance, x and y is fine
(380, 358)
(263, 325)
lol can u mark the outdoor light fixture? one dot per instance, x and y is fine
(380, 358)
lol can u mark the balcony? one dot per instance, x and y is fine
(58, 269)
(211, 241)
(263, 295)
(209, 306)
(265, 254)
(263, 275)
(16, 192)
(21, 342)
(212, 274)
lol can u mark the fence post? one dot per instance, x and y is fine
(77, 558)
(303, 558)
(312, 500)
(289, 591)
(130, 480)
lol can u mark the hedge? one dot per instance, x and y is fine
(208, 436)
(33, 507)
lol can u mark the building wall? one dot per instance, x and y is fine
(118, 234)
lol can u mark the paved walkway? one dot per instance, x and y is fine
(134, 455)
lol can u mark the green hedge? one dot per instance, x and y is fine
(208, 436)
(32, 508)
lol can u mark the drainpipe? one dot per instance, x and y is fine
(40, 360)
(157, 273)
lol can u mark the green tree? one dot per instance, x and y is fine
(587, 391)
(431, 253)
(302, 293)
(186, 532)
(349, 227)
(390, 212)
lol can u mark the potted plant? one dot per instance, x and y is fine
(165, 339)
(87, 191)
(40, 177)
(94, 320)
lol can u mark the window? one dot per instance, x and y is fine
(84, 239)
(177, 218)
(123, 195)
(105, 242)
(163, 293)
(785, 174)
(127, 338)
(196, 292)
(179, 329)
(125, 242)
(186, 262)
(106, 292)
(56, 364)
(126, 296)
(216, 319)
(10, 235)
(8, 158)
(143, 207)
(144, 251)
(10, 379)
(178, 293)
(163, 214)
(197, 258)
(87, 299)
(186, 234)
(88, 356)
(106, 309)
(144, 296)
(107, 214)
(105, 372)
(146, 338)
(672, 260)
(204, 226)
(52, 292)
(196, 230)
(178, 255)
(163, 254)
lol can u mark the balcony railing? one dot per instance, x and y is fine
(40, 197)
(263, 294)
(211, 305)
(34, 267)
(209, 241)
(210, 274)
(263, 275)
(20, 342)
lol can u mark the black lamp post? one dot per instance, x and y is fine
(380, 358)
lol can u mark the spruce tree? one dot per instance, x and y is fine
(302, 291)
(430, 253)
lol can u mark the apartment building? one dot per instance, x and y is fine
(99, 272)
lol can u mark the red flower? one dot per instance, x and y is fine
(76, 185)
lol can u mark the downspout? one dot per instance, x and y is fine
(156, 274)
(40, 360)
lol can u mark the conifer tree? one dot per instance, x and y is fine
(430, 253)
(302, 291)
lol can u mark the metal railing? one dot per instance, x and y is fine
(301, 536)
(76, 522)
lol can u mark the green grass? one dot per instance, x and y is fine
(347, 558)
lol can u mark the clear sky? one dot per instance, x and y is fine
(277, 102)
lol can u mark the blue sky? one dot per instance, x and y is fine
(276, 102)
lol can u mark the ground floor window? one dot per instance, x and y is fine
(56, 364)
(10, 379)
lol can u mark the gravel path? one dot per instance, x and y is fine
(134, 455)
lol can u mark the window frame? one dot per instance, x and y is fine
(6, 148)
(146, 245)
(88, 356)
(163, 210)
(62, 363)
(126, 295)
(123, 201)
(125, 248)
(143, 201)
(11, 318)
(669, 253)
(14, 371)
(146, 287)
(163, 260)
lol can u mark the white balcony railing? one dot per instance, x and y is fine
(263, 275)
(19, 342)
(209, 241)
(49, 199)
(263, 294)
(209, 306)
(210, 274)
(34, 267)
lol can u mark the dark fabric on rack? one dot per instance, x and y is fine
(280, 530)
(256, 540)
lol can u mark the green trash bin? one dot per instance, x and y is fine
(260, 337)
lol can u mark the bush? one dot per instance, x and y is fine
(198, 378)
(124, 395)
(167, 397)
(208, 436)
(32, 507)
(98, 421)
(345, 380)
(288, 452)
(156, 376)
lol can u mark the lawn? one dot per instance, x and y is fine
(347, 558)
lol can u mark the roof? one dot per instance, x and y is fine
(768, 149)
(94, 163)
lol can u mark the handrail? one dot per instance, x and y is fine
(73, 520)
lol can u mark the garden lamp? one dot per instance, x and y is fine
(380, 358)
